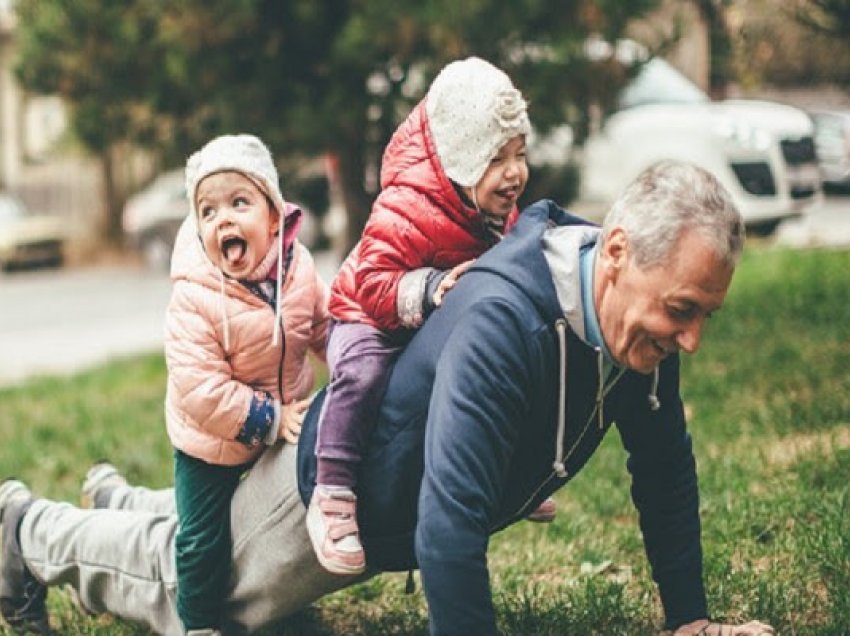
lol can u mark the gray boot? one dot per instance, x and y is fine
(101, 479)
(22, 596)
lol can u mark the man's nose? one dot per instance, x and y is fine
(689, 337)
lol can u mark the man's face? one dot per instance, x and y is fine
(647, 314)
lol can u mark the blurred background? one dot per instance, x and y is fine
(101, 102)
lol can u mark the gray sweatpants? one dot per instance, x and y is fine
(121, 561)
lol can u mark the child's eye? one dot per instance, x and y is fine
(206, 211)
(240, 202)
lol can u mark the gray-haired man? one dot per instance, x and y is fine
(554, 335)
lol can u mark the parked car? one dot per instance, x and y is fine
(832, 143)
(152, 217)
(28, 239)
(762, 152)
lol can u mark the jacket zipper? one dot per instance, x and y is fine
(282, 361)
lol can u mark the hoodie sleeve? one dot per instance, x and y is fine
(479, 395)
(665, 492)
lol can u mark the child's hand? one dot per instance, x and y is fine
(449, 281)
(291, 417)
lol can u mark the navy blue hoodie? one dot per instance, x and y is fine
(467, 437)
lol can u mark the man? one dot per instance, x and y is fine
(500, 399)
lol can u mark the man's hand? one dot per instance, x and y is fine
(704, 627)
(291, 418)
(449, 281)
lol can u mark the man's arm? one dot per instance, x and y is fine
(478, 399)
(665, 492)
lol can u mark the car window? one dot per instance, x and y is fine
(659, 83)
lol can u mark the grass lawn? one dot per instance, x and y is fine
(768, 397)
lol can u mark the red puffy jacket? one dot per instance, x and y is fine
(418, 220)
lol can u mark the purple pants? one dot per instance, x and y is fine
(360, 358)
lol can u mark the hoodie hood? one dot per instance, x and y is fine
(520, 260)
(561, 247)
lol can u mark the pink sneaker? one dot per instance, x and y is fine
(332, 526)
(545, 512)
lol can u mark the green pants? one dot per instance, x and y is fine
(203, 551)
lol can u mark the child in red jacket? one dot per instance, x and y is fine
(450, 179)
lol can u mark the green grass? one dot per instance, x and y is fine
(769, 403)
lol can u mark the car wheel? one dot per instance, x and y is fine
(156, 251)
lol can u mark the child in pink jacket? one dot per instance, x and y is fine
(246, 307)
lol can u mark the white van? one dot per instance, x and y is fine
(762, 152)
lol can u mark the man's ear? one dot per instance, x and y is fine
(615, 251)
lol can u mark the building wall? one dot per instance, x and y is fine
(30, 125)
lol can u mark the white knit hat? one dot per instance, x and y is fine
(473, 110)
(241, 153)
(248, 155)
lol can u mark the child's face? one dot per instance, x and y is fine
(236, 221)
(504, 180)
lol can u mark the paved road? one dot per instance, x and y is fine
(60, 321)
(67, 320)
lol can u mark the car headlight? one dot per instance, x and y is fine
(742, 135)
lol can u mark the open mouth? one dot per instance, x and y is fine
(509, 194)
(233, 249)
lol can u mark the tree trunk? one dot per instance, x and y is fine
(358, 203)
(720, 46)
(112, 229)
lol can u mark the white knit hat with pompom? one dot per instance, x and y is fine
(473, 110)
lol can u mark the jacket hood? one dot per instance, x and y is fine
(521, 260)
(411, 160)
(562, 246)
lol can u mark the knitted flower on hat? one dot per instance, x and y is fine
(473, 110)
(241, 153)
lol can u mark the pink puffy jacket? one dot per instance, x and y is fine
(209, 389)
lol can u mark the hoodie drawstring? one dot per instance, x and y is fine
(224, 312)
(600, 392)
(280, 257)
(652, 398)
(558, 465)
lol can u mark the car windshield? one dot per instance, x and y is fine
(659, 83)
(10, 209)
